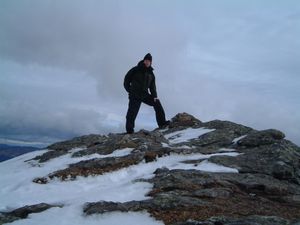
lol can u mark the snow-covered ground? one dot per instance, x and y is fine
(17, 188)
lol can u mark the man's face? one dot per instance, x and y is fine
(147, 62)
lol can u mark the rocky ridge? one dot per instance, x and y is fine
(266, 189)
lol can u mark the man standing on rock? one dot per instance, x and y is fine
(137, 82)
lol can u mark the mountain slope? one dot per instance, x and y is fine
(192, 172)
(10, 151)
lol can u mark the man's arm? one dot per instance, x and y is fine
(127, 79)
(153, 88)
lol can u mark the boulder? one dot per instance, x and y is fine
(23, 212)
(184, 120)
(280, 160)
(264, 137)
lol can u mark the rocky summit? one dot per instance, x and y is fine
(208, 173)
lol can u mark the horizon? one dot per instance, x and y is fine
(63, 63)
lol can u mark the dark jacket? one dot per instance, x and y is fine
(138, 80)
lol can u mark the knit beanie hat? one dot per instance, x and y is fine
(148, 57)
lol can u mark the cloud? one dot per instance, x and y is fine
(63, 63)
(102, 38)
(54, 105)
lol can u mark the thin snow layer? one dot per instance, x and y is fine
(238, 138)
(17, 188)
(227, 150)
(63, 161)
(73, 215)
(165, 145)
(186, 134)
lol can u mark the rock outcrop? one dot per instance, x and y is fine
(181, 195)
(23, 212)
(266, 189)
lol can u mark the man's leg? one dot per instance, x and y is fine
(159, 111)
(133, 109)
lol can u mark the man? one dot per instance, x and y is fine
(137, 82)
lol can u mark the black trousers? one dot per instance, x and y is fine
(133, 109)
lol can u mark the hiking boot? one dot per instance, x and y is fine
(130, 132)
(165, 125)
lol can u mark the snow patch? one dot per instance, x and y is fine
(212, 167)
(163, 130)
(116, 153)
(177, 147)
(165, 145)
(238, 138)
(186, 135)
(227, 150)
(73, 215)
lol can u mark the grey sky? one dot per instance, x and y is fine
(62, 63)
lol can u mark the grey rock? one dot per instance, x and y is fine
(216, 139)
(92, 167)
(251, 220)
(238, 129)
(223, 135)
(23, 212)
(61, 148)
(7, 218)
(184, 120)
(207, 195)
(103, 145)
(175, 199)
(213, 192)
(142, 141)
(108, 145)
(280, 160)
(264, 137)
(51, 154)
(102, 207)
(82, 141)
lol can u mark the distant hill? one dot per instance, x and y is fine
(11, 151)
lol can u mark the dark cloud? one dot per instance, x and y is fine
(103, 38)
